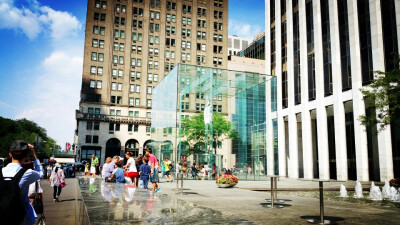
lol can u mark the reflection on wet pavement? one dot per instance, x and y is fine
(110, 203)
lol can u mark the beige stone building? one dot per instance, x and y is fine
(130, 45)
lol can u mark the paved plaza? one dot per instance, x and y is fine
(91, 201)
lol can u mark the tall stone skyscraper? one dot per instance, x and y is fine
(130, 45)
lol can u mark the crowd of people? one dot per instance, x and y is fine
(139, 171)
(21, 192)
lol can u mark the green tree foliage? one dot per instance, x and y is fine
(194, 129)
(23, 129)
(384, 92)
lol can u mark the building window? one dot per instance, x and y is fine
(88, 139)
(96, 126)
(95, 139)
(344, 44)
(89, 125)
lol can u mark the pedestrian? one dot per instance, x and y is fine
(131, 168)
(139, 162)
(94, 162)
(15, 207)
(154, 170)
(145, 171)
(214, 171)
(184, 168)
(168, 167)
(87, 169)
(163, 169)
(118, 174)
(48, 168)
(56, 179)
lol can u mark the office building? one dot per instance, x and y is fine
(323, 52)
(256, 49)
(236, 44)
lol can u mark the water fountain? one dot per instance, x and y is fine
(394, 195)
(386, 190)
(358, 190)
(343, 191)
(375, 193)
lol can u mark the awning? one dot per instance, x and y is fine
(65, 160)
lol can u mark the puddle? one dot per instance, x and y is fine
(109, 203)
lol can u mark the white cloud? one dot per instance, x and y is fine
(37, 19)
(55, 95)
(243, 30)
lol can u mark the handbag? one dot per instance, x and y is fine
(62, 184)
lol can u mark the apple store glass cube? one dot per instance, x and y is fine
(246, 100)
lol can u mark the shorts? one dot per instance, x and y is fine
(92, 169)
(132, 175)
(167, 173)
(154, 176)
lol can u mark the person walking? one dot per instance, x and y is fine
(94, 162)
(56, 179)
(167, 165)
(19, 151)
(48, 168)
(154, 170)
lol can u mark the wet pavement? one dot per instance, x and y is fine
(110, 203)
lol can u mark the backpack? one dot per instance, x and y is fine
(11, 206)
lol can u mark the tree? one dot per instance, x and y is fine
(384, 93)
(194, 129)
(23, 129)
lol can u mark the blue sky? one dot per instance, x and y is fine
(41, 54)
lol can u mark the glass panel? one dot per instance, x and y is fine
(239, 98)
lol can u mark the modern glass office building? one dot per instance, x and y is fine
(244, 98)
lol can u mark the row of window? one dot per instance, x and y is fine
(132, 101)
(152, 39)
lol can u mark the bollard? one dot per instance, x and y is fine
(182, 183)
(321, 219)
(321, 201)
(177, 181)
(272, 192)
(276, 188)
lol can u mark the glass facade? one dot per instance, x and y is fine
(310, 50)
(365, 41)
(242, 96)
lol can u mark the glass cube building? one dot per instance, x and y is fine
(246, 100)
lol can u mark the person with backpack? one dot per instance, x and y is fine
(15, 207)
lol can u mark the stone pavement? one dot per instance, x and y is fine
(70, 208)
(249, 205)
(239, 202)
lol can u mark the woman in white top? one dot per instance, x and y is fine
(131, 168)
(57, 177)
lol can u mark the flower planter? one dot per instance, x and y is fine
(224, 185)
(226, 181)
